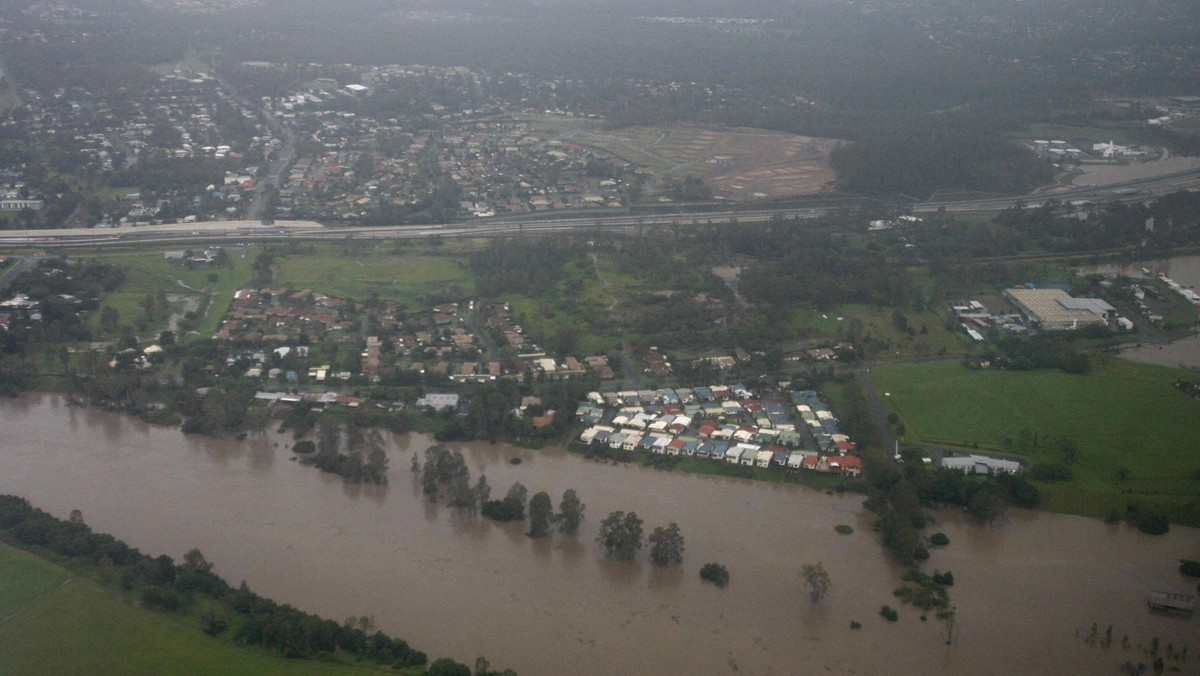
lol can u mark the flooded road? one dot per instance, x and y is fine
(461, 586)
(1186, 271)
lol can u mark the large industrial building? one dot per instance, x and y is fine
(1056, 310)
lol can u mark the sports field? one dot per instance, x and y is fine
(1138, 437)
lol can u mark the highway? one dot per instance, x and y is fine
(212, 232)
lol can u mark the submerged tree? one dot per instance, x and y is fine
(541, 513)
(715, 573)
(817, 580)
(621, 534)
(375, 469)
(949, 617)
(666, 545)
(429, 481)
(518, 496)
(570, 512)
(483, 492)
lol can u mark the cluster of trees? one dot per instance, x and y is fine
(443, 468)
(67, 293)
(161, 583)
(690, 189)
(218, 412)
(1043, 351)
(621, 534)
(365, 459)
(162, 175)
(489, 410)
(524, 266)
(809, 270)
(899, 498)
(920, 159)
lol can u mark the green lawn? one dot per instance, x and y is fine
(151, 272)
(1138, 436)
(23, 578)
(81, 628)
(405, 277)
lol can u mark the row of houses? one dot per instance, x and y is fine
(744, 454)
(729, 423)
(750, 419)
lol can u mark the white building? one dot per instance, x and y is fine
(439, 402)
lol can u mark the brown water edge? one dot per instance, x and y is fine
(1186, 271)
(460, 586)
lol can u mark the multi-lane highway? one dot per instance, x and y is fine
(183, 234)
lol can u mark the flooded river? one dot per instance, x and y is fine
(1186, 271)
(463, 587)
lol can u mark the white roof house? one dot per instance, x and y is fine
(981, 464)
(439, 401)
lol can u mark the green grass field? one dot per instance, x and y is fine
(48, 627)
(151, 272)
(405, 277)
(877, 323)
(23, 578)
(1138, 436)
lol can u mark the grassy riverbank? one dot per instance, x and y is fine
(57, 621)
(1137, 436)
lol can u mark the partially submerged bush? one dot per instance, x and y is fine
(715, 573)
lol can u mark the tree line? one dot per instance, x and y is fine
(161, 583)
(364, 460)
(900, 496)
(445, 469)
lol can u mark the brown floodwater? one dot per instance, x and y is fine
(461, 586)
(1186, 271)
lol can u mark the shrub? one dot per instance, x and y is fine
(1152, 521)
(843, 529)
(214, 621)
(304, 447)
(157, 597)
(855, 625)
(945, 579)
(888, 613)
(1050, 471)
(939, 539)
(1189, 568)
(715, 573)
(503, 510)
